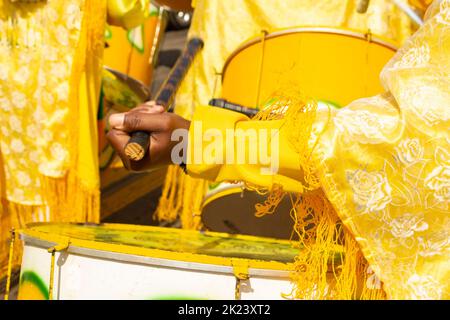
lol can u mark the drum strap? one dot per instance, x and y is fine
(53, 250)
(240, 271)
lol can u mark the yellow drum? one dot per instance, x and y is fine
(329, 65)
(133, 52)
(229, 208)
(111, 261)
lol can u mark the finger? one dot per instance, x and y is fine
(139, 121)
(148, 109)
(116, 120)
(150, 103)
(118, 140)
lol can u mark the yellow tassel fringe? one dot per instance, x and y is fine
(182, 197)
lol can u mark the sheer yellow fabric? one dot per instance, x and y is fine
(383, 165)
(50, 63)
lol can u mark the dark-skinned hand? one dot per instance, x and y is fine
(153, 119)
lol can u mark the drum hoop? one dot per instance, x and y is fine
(223, 191)
(128, 250)
(282, 271)
(126, 227)
(283, 32)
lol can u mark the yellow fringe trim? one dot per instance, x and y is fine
(182, 197)
(318, 229)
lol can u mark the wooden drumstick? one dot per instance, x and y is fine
(363, 5)
(139, 142)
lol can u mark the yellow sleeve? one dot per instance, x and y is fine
(127, 13)
(227, 146)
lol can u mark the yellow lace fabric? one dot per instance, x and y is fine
(50, 54)
(384, 163)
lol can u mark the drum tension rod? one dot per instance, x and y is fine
(53, 250)
(240, 271)
(10, 263)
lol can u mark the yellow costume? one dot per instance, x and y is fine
(50, 63)
(383, 163)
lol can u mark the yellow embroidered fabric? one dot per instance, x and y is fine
(50, 68)
(383, 163)
(47, 109)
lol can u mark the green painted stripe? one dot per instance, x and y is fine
(33, 277)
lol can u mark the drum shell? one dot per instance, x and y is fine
(82, 277)
(97, 266)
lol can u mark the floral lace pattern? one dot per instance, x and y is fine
(37, 46)
(391, 166)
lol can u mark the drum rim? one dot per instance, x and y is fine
(145, 90)
(327, 30)
(227, 188)
(44, 244)
(90, 247)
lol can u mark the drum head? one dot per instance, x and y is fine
(123, 91)
(235, 213)
(157, 242)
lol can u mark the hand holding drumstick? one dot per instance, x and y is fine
(148, 117)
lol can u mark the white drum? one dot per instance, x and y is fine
(135, 262)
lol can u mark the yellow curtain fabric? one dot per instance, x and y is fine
(382, 162)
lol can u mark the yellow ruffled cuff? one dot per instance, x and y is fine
(127, 13)
(210, 121)
(205, 119)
